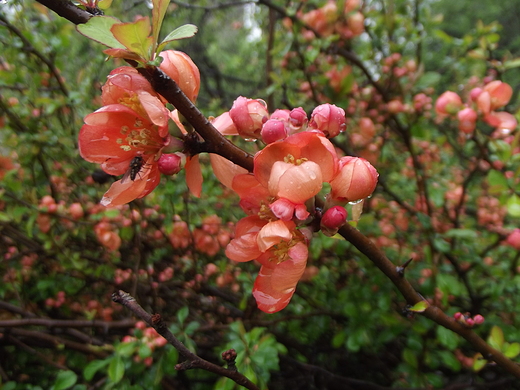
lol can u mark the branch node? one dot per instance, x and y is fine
(230, 356)
(400, 269)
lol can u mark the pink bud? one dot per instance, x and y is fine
(478, 319)
(169, 164)
(329, 119)
(467, 120)
(180, 68)
(249, 115)
(448, 103)
(474, 94)
(273, 130)
(297, 119)
(334, 218)
(356, 179)
(76, 210)
(470, 322)
(514, 239)
(457, 315)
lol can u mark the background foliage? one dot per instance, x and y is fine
(62, 257)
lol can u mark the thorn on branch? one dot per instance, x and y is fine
(230, 356)
(400, 269)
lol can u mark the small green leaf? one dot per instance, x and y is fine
(512, 350)
(510, 64)
(182, 32)
(419, 307)
(158, 12)
(479, 362)
(116, 369)
(65, 380)
(513, 206)
(135, 36)
(182, 314)
(93, 367)
(98, 29)
(496, 338)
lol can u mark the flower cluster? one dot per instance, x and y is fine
(129, 134)
(278, 195)
(483, 103)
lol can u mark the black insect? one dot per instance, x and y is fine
(135, 167)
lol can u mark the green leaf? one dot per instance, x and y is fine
(65, 380)
(116, 369)
(510, 64)
(135, 36)
(461, 233)
(93, 367)
(512, 350)
(479, 362)
(497, 182)
(158, 12)
(98, 28)
(182, 32)
(447, 338)
(513, 206)
(496, 338)
(410, 357)
(419, 307)
(182, 314)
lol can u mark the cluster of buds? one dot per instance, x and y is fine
(278, 195)
(483, 103)
(467, 320)
(148, 336)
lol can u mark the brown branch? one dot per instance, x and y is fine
(192, 360)
(50, 323)
(56, 342)
(365, 246)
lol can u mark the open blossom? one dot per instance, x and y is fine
(280, 248)
(126, 135)
(286, 175)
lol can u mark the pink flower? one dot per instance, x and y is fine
(282, 251)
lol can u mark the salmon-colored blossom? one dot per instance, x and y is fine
(127, 135)
(280, 248)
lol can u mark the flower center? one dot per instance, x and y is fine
(140, 137)
(289, 159)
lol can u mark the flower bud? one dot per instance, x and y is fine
(180, 68)
(273, 130)
(332, 220)
(249, 115)
(514, 239)
(356, 180)
(169, 164)
(297, 119)
(467, 120)
(448, 103)
(478, 319)
(329, 119)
